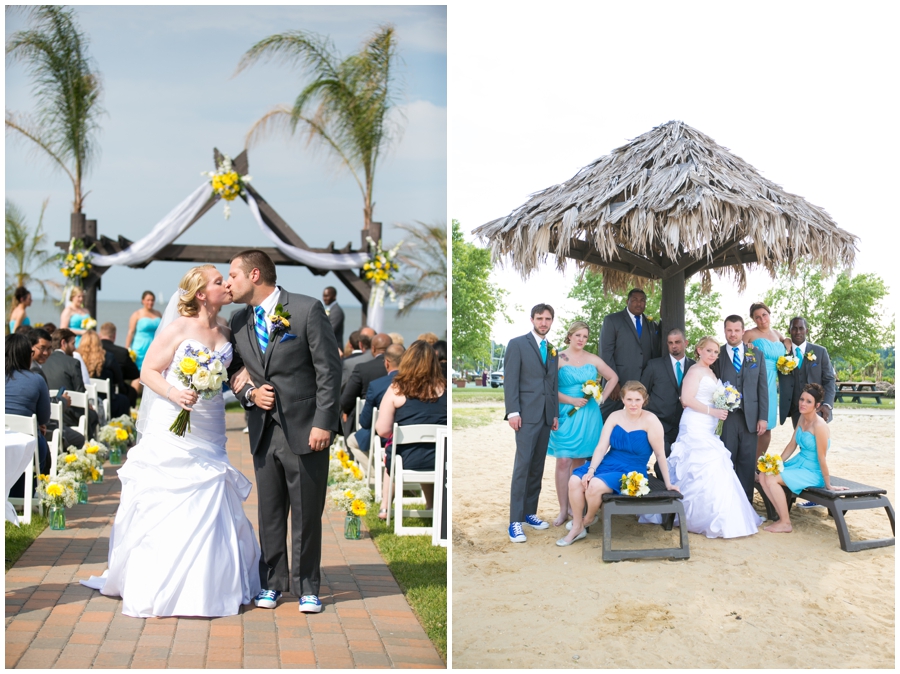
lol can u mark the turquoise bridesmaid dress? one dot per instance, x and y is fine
(75, 321)
(577, 435)
(25, 321)
(771, 351)
(144, 332)
(802, 470)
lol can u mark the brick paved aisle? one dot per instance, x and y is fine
(54, 622)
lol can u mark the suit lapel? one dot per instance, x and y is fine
(536, 349)
(251, 334)
(671, 370)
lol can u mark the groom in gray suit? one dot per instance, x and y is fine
(628, 340)
(531, 394)
(745, 368)
(288, 347)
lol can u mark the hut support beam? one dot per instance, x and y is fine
(672, 304)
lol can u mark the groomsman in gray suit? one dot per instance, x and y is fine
(662, 377)
(814, 368)
(628, 340)
(532, 406)
(745, 368)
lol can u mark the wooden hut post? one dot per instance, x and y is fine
(671, 307)
(92, 282)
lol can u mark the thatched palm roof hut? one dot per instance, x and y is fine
(670, 204)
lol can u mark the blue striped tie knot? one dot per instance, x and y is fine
(262, 335)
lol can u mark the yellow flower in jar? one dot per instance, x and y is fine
(357, 473)
(188, 365)
(95, 474)
(91, 449)
(54, 489)
(70, 458)
(349, 493)
(121, 434)
(359, 508)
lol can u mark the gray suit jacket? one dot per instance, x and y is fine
(750, 381)
(61, 371)
(336, 318)
(818, 371)
(529, 385)
(301, 363)
(350, 362)
(623, 350)
(665, 393)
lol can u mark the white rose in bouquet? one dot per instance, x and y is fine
(200, 379)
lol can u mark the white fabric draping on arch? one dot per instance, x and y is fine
(173, 225)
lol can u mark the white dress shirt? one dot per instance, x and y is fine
(740, 348)
(802, 348)
(683, 362)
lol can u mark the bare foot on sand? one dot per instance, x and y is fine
(779, 528)
(559, 521)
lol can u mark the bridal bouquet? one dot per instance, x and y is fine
(590, 389)
(634, 484)
(726, 397)
(203, 371)
(786, 364)
(770, 463)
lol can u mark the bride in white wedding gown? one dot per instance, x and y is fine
(714, 501)
(181, 544)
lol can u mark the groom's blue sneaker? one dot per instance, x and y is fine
(536, 522)
(309, 603)
(516, 535)
(267, 598)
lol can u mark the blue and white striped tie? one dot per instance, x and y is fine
(262, 335)
(736, 361)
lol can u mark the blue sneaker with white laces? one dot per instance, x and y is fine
(809, 504)
(516, 535)
(309, 603)
(536, 522)
(267, 598)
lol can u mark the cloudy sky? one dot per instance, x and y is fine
(805, 92)
(170, 98)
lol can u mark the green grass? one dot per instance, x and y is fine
(867, 404)
(475, 416)
(18, 539)
(477, 395)
(420, 569)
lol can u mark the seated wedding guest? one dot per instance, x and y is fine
(440, 348)
(41, 348)
(361, 354)
(418, 395)
(26, 394)
(64, 371)
(131, 375)
(397, 338)
(629, 437)
(805, 469)
(374, 395)
(102, 365)
(49, 327)
(578, 433)
(662, 377)
(358, 383)
(429, 337)
(17, 316)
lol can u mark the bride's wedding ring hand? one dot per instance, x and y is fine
(240, 379)
(186, 399)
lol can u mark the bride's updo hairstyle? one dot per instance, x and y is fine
(635, 386)
(575, 327)
(703, 342)
(193, 282)
(816, 391)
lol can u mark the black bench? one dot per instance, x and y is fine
(857, 497)
(855, 396)
(659, 501)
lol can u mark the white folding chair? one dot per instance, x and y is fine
(443, 439)
(376, 457)
(401, 478)
(358, 454)
(56, 444)
(102, 386)
(79, 400)
(28, 426)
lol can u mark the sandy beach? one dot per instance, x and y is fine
(766, 600)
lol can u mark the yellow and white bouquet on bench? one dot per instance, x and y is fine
(634, 484)
(726, 397)
(787, 364)
(203, 371)
(590, 389)
(770, 463)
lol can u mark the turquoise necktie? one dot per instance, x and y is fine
(799, 356)
(544, 350)
(262, 335)
(736, 360)
(678, 373)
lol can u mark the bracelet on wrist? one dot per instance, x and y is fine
(168, 391)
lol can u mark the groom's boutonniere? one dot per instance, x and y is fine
(281, 321)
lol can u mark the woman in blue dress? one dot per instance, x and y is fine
(74, 315)
(630, 435)
(772, 345)
(142, 327)
(17, 316)
(580, 421)
(807, 468)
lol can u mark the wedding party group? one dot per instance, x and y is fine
(603, 416)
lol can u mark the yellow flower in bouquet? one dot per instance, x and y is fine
(634, 484)
(786, 364)
(359, 508)
(188, 365)
(770, 463)
(53, 489)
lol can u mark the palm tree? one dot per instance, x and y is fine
(67, 89)
(25, 253)
(351, 99)
(423, 265)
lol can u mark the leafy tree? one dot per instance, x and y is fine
(702, 313)
(476, 301)
(797, 291)
(67, 90)
(423, 260)
(351, 98)
(25, 253)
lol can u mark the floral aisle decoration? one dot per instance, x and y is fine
(770, 463)
(57, 494)
(787, 364)
(82, 468)
(634, 484)
(354, 498)
(100, 453)
(226, 183)
(590, 389)
(341, 467)
(202, 370)
(381, 270)
(117, 438)
(76, 263)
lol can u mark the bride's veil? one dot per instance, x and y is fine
(149, 397)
